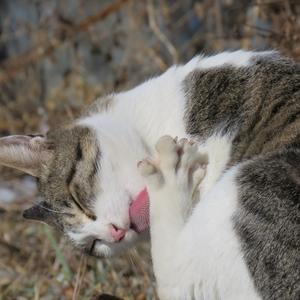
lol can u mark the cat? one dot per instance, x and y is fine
(236, 235)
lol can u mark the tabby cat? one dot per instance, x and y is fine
(236, 235)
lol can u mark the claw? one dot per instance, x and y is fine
(146, 168)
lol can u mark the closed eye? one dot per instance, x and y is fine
(85, 210)
(77, 173)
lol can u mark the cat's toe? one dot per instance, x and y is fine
(167, 149)
(166, 144)
(192, 166)
(189, 154)
(198, 176)
(151, 172)
(146, 167)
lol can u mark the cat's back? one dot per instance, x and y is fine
(251, 112)
(256, 104)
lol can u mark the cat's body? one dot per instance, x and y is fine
(242, 240)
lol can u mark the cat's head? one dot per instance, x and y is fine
(89, 186)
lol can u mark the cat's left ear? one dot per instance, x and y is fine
(24, 152)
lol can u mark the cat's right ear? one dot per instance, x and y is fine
(24, 152)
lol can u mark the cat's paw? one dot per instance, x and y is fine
(177, 164)
(191, 167)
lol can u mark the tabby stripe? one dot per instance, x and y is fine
(74, 165)
(95, 167)
(282, 127)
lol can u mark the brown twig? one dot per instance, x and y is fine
(11, 67)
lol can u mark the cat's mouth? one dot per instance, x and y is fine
(103, 249)
(139, 219)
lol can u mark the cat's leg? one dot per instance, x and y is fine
(173, 176)
(242, 239)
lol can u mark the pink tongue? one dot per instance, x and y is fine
(139, 211)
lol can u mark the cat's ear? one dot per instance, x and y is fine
(24, 152)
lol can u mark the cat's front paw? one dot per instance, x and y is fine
(177, 165)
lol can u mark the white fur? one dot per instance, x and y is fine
(219, 149)
(238, 58)
(204, 261)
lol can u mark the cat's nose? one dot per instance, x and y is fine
(117, 233)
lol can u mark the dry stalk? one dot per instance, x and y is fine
(159, 34)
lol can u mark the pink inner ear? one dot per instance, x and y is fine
(139, 211)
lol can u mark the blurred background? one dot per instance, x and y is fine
(56, 57)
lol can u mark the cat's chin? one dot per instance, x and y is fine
(103, 249)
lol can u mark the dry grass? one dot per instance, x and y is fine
(140, 40)
(37, 264)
